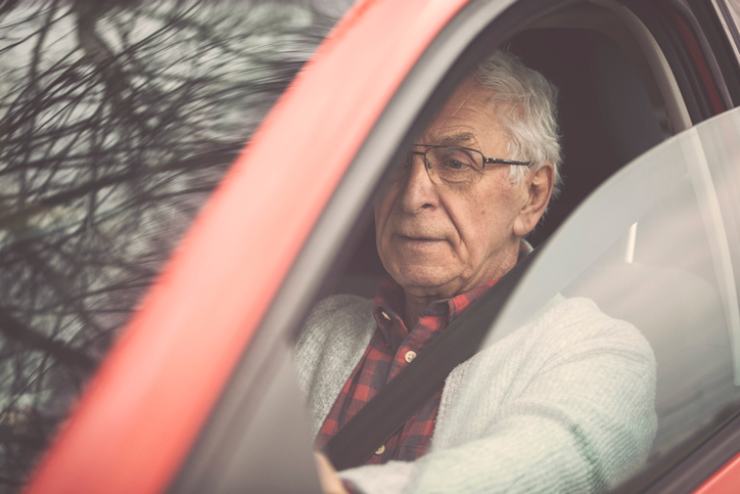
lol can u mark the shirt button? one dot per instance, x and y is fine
(410, 356)
(385, 315)
(380, 450)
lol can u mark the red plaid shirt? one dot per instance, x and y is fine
(391, 348)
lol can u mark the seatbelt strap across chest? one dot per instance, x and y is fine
(392, 407)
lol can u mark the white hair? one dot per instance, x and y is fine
(526, 106)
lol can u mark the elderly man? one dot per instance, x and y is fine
(565, 403)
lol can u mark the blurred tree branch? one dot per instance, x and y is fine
(117, 119)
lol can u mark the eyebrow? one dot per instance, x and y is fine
(459, 138)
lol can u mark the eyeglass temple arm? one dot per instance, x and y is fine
(499, 161)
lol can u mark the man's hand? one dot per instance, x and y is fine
(330, 481)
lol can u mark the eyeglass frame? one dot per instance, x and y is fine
(486, 160)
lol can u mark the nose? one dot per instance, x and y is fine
(419, 192)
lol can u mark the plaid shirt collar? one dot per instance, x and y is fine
(389, 302)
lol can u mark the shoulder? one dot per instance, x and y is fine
(333, 339)
(337, 318)
(339, 311)
(341, 305)
(579, 321)
(565, 331)
(578, 340)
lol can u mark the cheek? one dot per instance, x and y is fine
(382, 211)
(382, 207)
(484, 227)
(472, 218)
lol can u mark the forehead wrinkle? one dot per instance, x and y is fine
(468, 96)
(450, 126)
(470, 110)
(455, 138)
(452, 137)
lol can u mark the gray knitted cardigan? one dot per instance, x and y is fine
(563, 404)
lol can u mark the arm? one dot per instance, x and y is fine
(582, 423)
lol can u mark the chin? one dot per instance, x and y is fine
(423, 277)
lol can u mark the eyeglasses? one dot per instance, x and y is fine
(451, 164)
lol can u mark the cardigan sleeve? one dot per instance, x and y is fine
(583, 423)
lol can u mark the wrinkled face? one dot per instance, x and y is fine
(439, 240)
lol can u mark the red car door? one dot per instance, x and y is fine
(157, 386)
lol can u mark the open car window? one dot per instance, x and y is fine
(117, 119)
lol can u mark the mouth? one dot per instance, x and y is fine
(419, 247)
(419, 240)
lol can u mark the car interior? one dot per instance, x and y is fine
(614, 104)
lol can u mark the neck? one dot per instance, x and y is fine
(416, 300)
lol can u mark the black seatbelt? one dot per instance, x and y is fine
(400, 398)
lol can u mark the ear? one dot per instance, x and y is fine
(537, 192)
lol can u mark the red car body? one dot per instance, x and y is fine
(157, 386)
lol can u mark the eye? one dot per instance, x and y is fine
(455, 159)
(454, 164)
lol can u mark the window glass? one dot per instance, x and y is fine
(117, 120)
(653, 249)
